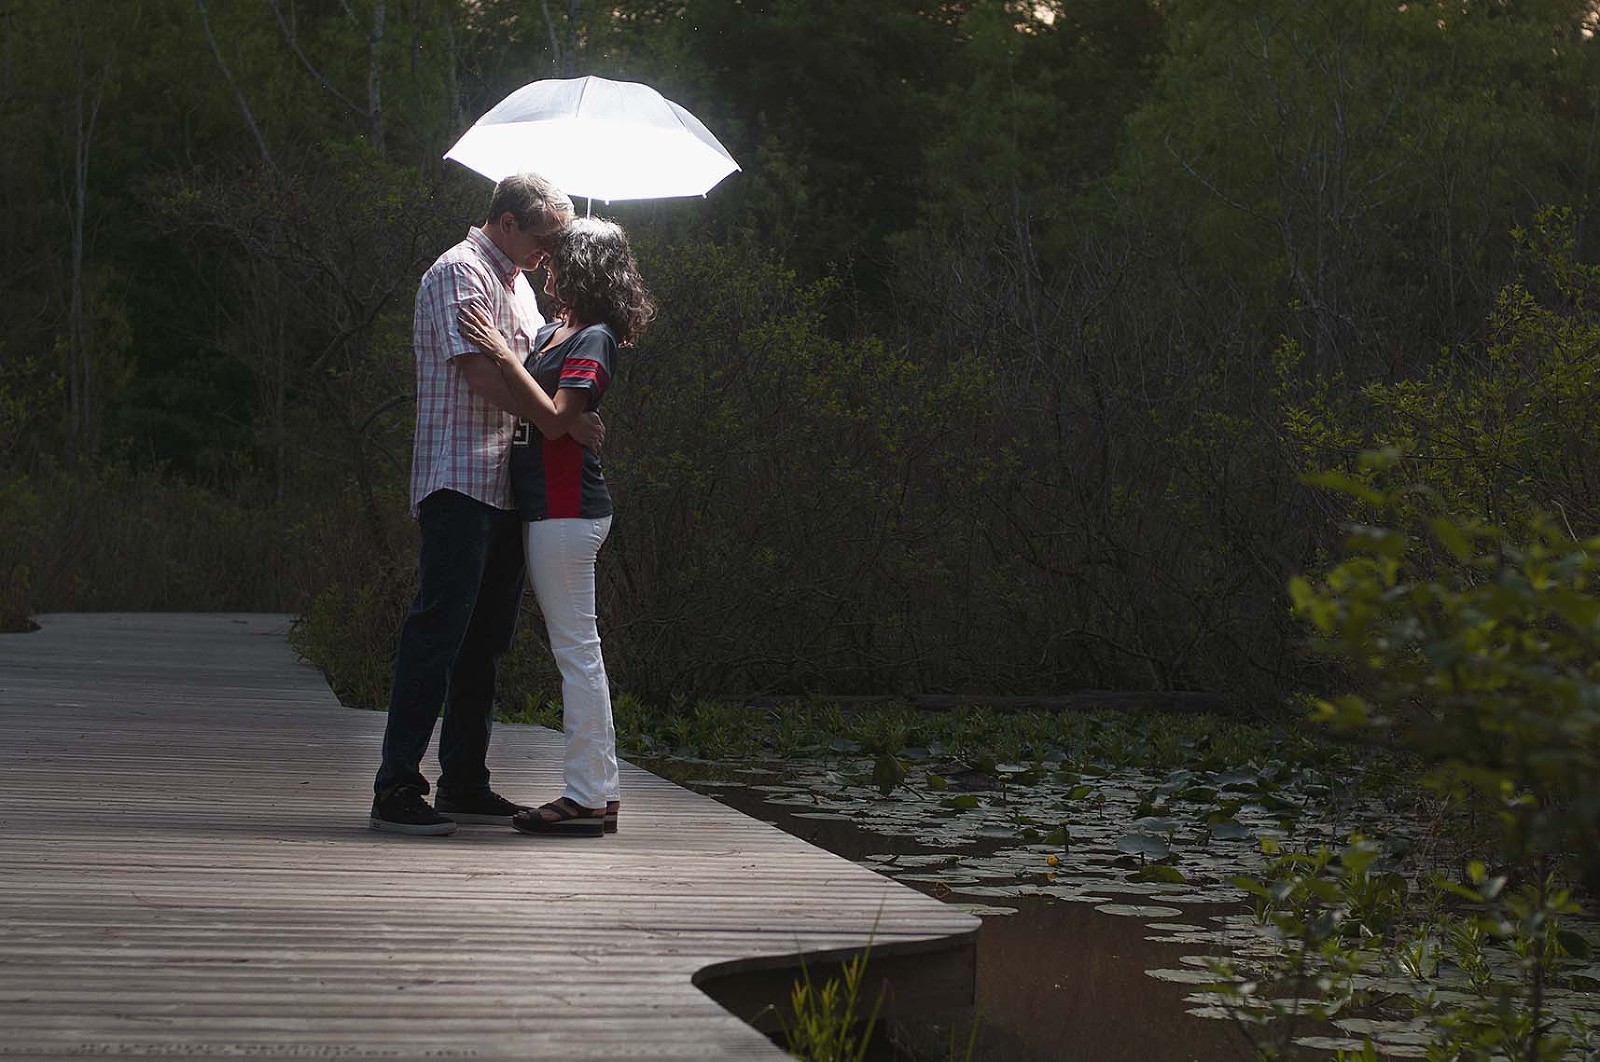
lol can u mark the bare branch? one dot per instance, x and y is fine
(294, 45)
(227, 75)
(1212, 188)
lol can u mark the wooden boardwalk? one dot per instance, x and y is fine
(186, 870)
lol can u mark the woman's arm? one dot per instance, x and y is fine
(553, 417)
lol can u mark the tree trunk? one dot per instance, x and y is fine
(555, 42)
(563, 59)
(374, 75)
(82, 418)
(570, 66)
(458, 112)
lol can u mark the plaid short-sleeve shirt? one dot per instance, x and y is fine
(463, 441)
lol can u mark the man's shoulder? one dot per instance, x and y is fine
(463, 257)
(452, 271)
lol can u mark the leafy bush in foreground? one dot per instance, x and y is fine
(1478, 649)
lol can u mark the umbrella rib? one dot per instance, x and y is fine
(715, 143)
(583, 89)
(679, 119)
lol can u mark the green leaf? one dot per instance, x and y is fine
(1382, 542)
(1345, 483)
(1253, 887)
(1451, 537)
(888, 773)
(1574, 944)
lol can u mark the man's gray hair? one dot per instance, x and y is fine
(532, 200)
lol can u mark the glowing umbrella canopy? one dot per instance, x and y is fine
(596, 138)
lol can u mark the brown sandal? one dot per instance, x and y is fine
(561, 816)
(612, 807)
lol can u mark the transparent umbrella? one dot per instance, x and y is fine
(597, 138)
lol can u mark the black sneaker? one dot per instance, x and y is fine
(485, 808)
(401, 809)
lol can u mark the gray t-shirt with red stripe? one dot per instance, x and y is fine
(555, 479)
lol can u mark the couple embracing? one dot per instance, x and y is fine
(507, 485)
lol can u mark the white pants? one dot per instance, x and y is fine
(561, 557)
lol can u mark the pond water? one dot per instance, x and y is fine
(1056, 981)
(1104, 892)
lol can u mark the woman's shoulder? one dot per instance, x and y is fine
(594, 336)
(596, 331)
(587, 340)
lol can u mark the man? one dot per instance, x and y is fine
(471, 567)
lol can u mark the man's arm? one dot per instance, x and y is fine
(486, 381)
(483, 376)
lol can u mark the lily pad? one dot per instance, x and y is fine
(1211, 1011)
(1130, 910)
(983, 910)
(952, 879)
(1144, 844)
(1335, 1043)
(988, 890)
(1230, 830)
(1190, 977)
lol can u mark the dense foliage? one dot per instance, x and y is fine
(994, 370)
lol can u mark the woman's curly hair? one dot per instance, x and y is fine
(597, 280)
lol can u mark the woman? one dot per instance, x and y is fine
(601, 305)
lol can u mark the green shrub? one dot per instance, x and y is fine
(1501, 429)
(350, 633)
(95, 537)
(1477, 648)
(783, 523)
(1481, 648)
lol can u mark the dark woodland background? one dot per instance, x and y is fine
(997, 369)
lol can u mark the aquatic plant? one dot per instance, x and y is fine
(825, 1022)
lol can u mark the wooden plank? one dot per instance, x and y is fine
(186, 870)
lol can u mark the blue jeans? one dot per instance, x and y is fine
(460, 624)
